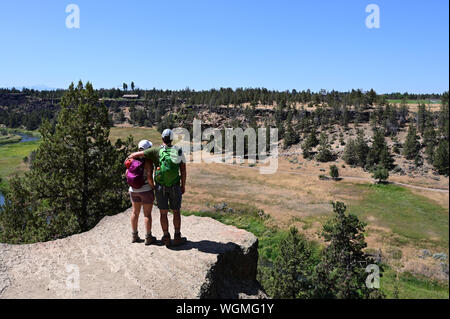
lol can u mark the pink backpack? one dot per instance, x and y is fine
(135, 174)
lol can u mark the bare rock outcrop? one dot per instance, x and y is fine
(218, 261)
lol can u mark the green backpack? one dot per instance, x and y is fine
(167, 174)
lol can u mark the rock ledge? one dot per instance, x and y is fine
(218, 261)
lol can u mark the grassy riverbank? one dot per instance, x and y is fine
(12, 155)
(9, 139)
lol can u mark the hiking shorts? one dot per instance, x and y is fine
(143, 197)
(168, 197)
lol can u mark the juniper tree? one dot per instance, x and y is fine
(443, 121)
(334, 172)
(341, 272)
(441, 158)
(290, 137)
(324, 150)
(379, 152)
(381, 174)
(411, 147)
(350, 155)
(361, 148)
(422, 116)
(291, 274)
(310, 142)
(77, 176)
(430, 142)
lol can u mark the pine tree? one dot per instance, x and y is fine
(290, 277)
(441, 158)
(334, 172)
(430, 141)
(290, 137)
(379, 152)
(422, 118)
(77, 176)
(341, 271)
(411, 147)
(310, 142)
(381, 174)
(443, 121)
(324, 150)
(361, 149)
(350, 155)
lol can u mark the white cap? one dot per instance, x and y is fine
(145, 144)
(167, 133)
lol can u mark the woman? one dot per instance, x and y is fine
(143, 197)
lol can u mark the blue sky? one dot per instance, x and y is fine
(203, 44)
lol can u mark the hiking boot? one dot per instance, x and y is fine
(166, 240)
(135, 238)
(149, 239)
(178, 240)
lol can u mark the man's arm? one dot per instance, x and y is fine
(183, 177)
(137, 155)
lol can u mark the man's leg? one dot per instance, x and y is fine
(177, 221)
(163, 205)
(164, 221)
(175, 205)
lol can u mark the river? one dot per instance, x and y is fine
(25, 138)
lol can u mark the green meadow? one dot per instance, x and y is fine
(398, 101)
(12, 155)
(413, 219)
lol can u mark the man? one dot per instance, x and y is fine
(170, 183)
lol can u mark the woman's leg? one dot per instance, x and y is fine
(135, 216)
(148, 218)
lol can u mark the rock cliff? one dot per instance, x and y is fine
(218, 261)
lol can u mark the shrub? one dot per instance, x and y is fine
(334, 172)
(381, 174)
